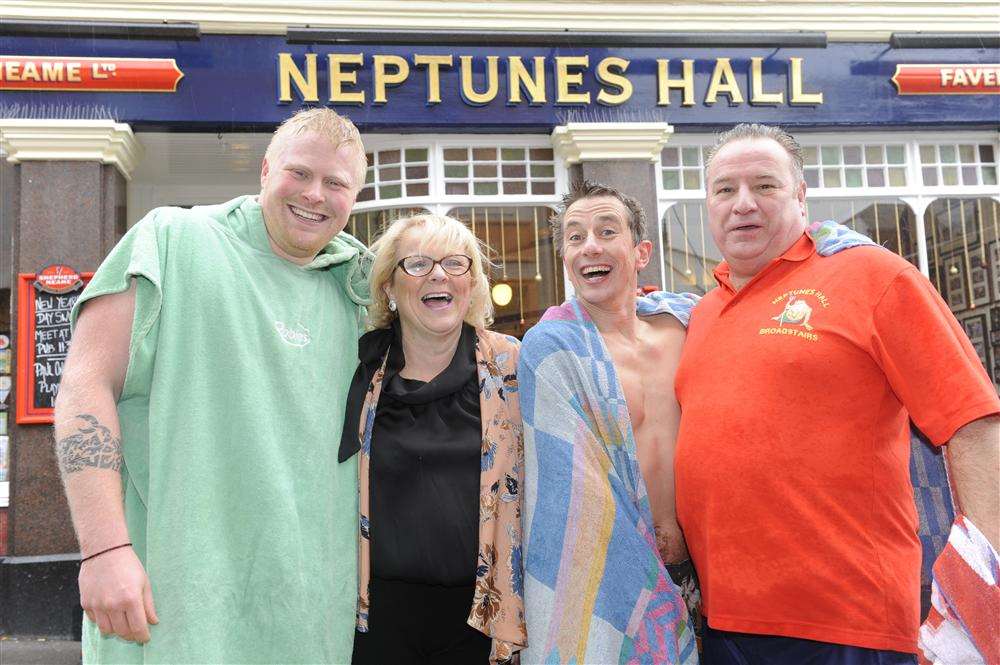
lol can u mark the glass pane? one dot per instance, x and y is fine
(541, 154)
(969, 175)
(809, 155)
(897, 177)
(543, 188)
(692, 179)
(967, 154)
(671, 180)
(456, 154)
(387, 174)
(416, 154)
(369, 176)
(456, 171)
(514, 170)
(930, 175)
(669, 157)
(485, 188)
(416, 172)
(456, 188)
(876, 178)
(927, 154)
(367, 194)
(986, 154)
(831, 155)
(484, 154)
(390, 191)
(812, 178)
(417, 189)
(852, 154)
(369, 157)
(484, 170)
(948, 154)
(853, 178)
(989, 175)
(949, 175)
(515, 187)
(388, 157)
(831, 177)
(689, 156)
(512, 154)
(897, 154)
(873, 154)
(543, 171)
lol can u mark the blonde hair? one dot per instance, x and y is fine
(327, 123)
(438, 231)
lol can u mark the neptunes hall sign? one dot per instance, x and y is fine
(571, 80)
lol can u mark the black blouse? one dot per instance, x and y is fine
(425, 465)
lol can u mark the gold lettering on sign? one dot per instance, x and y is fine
(383, 79)
(797, 96)
(665, 84)
(433, 64)
(606, 74)
(289, 73)
(469, 92)
(339, 77)
(52, 71)
(723, 83)
(757, 94)
(565, 79)
(534, 84)
(73, 72)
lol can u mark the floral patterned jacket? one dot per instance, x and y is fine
(498, 603)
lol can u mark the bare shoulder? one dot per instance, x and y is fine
(665, 329)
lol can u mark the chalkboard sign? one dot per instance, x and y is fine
(44, 300)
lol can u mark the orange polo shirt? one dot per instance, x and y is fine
(792, 466)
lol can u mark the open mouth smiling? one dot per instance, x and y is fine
(437, 300)
(307, 216)
(595, 273)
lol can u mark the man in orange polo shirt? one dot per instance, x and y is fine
(797, 384)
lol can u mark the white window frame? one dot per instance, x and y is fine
(439, 203)
(915, 195)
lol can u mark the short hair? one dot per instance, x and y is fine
(438, 230)
(586, 189)
(753, 131)
(327, 123)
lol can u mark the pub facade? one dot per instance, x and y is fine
(483, 111)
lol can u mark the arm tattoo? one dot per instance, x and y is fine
(91, 447)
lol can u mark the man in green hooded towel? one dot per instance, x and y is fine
(199, 415)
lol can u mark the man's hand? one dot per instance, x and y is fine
(115, 594)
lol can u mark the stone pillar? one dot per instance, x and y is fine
(622, 155)
(69, 187)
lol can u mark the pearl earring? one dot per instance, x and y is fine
(392, 305)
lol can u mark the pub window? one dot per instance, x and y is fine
(855, 166)
(682, 167)
(888, 221)
(689, 252)
(526, 274)
(395, 174)
(368, 225)
(498, 170)
(957, 164)
(963, 240)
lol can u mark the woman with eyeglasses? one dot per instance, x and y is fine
(434, 411)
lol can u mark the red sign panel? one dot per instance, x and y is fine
(947, 79)
(25, 72)
(44, 302)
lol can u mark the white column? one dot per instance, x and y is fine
(104, 141)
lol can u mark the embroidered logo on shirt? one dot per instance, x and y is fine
(794, 319)
(297, 336)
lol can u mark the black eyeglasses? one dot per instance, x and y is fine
(455, 265)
